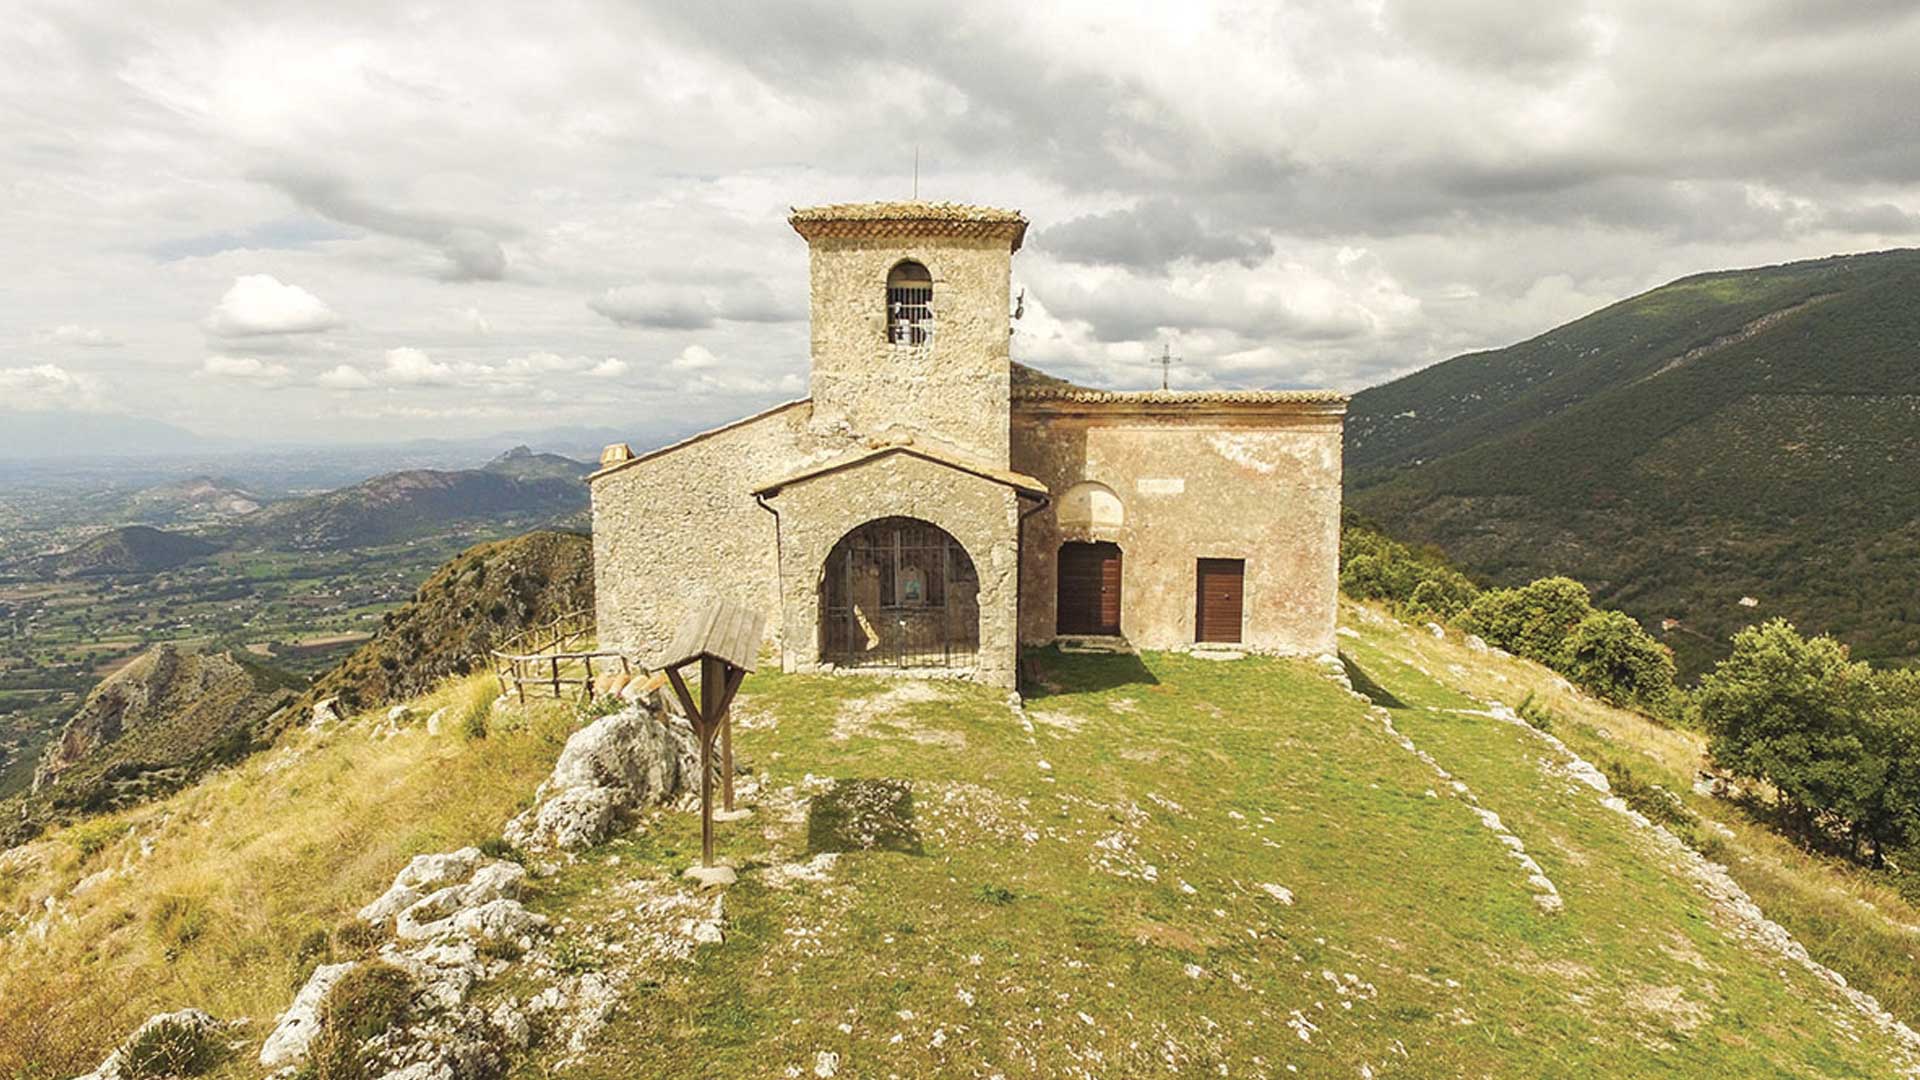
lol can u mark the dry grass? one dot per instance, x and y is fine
(249, 873)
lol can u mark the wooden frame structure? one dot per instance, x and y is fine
(725, 640)
(545, 660)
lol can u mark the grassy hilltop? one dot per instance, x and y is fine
(1166, 866)
(1747, 433)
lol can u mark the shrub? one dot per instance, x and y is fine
(1612, 656)
(366, 1001)
(90, 838)
(1534, 713)
(473, 722)
(167, 1048)
(1533, 621)
(1415, 584)
(1443, 594)
(570, 957)
(177, 921)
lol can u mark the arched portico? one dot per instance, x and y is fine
(899, 592)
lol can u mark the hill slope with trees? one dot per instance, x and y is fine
(1745, 434)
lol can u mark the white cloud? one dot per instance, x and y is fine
(343, 377)
(611, 368)
(416, 368)
(91, 337)
(695, 358)
(243, 367)
(260, 304)
(519, 201)
(47, 387)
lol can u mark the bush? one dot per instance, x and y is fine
(1535, 714)
(1610, 655)
(169, 1048)
(1443, 594)
(366, 1001)
(1415, 584)
(1533, 621)
(177, 921)
(473, 722)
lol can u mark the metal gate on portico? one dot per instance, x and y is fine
(899, 592)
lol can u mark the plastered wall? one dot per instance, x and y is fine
(1262, 488)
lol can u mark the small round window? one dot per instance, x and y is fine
(909, 304)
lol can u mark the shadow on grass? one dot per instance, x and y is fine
(863, 815)
(1364, 683)
(1048, 671)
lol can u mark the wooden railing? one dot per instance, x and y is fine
(556, 660)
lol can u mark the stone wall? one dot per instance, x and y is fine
(981, 514)
(953, 390)
(1260, 484)
(676, 528)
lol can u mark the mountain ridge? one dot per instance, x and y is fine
(1736, 434)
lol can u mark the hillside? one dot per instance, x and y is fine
(193, 499)
(522, 463)
(478, 599)
(148, 729)
(404, 505)
(129, 549)
(1163, 865)
(1749, 433)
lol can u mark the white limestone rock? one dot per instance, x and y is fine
(288, 1043)
(421, 875)
(436, 913)
(630, 758)
(437, 721)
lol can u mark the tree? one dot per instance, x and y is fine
(1612, 656)
(1791, 712)
(1533, 621)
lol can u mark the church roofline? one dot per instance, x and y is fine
(696, 437)
(908, 218)
(1034, 387)
(1018, 481)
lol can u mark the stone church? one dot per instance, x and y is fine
(932, 504)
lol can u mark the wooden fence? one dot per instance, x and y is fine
(556, 660)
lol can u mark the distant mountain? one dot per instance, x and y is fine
(405, 505)
(471, 604)
(195, 498)
(37, 435)
(149, 728)
(129, 549)
(1725, 448)
(522, 463)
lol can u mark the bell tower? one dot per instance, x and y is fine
(910, 318)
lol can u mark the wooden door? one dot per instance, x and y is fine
(1218, 599)
(1089, 597)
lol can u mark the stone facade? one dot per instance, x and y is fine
(1005, 463)
(979, 512)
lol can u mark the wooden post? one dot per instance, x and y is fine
(714, 702)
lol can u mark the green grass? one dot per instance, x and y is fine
(1170, 867)
(1104, 914)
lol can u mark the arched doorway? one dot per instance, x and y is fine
(1089, 596)
(899, 592)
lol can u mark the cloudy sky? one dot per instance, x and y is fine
(369, 221)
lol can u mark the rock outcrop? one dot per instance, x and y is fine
(631, 758)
